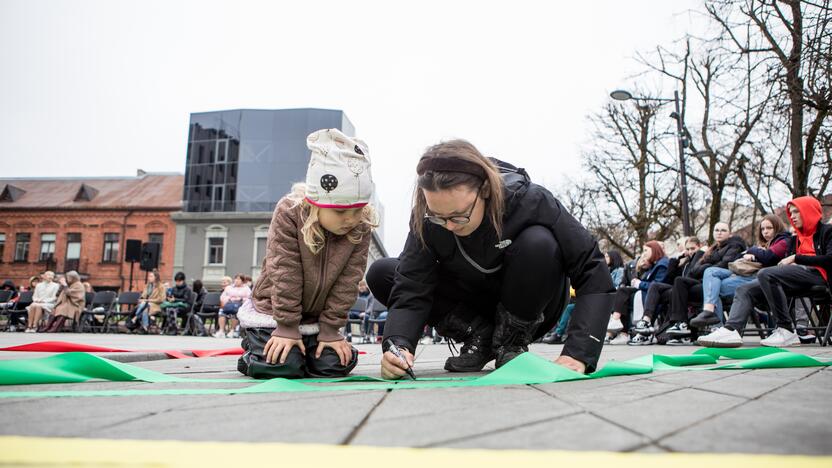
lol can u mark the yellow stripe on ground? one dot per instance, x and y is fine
(42, 451)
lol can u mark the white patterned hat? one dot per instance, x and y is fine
(339, 171)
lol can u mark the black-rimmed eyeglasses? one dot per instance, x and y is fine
(456, 219)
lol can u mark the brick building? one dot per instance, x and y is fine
(82, 224)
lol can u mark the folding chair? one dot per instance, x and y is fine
(209, 311)
(5, 307)
(102, 304)
(125, 307)
(18, 310)
(188, 321)
(820, 300)
(360, 306)
(374, 322)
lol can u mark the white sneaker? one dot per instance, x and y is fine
(614, 325)
(234, 334)
(30, 330)
(621, 339)
(781, 338)
(721, 338)
(219, 334)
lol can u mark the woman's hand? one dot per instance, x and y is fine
(571, 363)
(341, 347)
(393, 367)
(635, 282)
(749, 257)
(787, 261)
(278, 348)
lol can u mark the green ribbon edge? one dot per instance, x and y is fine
(524, 370)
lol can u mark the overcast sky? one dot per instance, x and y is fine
(101, 88)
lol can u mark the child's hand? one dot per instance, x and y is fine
(393, 367)
(341, 347)
(278, 347)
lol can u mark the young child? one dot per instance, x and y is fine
(316, 254)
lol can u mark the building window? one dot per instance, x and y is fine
(216, 250)
(21, 247)
(215, 238)
(73, 251)
(47, 246)
(110, 248)
(2, 245)
(261, 234)
(156, 237)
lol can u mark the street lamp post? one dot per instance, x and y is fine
(622, 95)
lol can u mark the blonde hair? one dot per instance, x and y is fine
(314, 235)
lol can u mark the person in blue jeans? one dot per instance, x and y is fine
(772, 245)
(558, 334)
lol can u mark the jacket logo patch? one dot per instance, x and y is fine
(503, 244)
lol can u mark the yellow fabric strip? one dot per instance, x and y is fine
(41, 451)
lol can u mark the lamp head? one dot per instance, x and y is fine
(621, 95)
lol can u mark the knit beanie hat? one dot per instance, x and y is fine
(339, 171)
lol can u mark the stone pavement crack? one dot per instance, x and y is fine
(354, 432)
(590, 412)
(725, 411)
(499, 430)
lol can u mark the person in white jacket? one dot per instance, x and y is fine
(43, 301)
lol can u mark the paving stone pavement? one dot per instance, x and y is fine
(759, 411)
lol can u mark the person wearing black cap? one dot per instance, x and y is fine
(488, 262)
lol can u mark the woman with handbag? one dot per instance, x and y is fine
(717, 282)
(689, 290)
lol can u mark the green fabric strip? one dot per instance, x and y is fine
(524, 370)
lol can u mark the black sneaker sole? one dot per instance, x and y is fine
(678, 333)
(704, 322)
(452, 368)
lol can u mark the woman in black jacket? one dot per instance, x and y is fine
(725, 250)
(488, 262)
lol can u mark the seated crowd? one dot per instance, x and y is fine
(707, 295)
(50, 303)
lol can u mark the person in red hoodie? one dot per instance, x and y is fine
(808, 264)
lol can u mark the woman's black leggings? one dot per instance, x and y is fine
(533, 282)
(685, 292)
(621, 304)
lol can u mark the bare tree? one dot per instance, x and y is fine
(734, 98)
(793, 39)
(629, 196)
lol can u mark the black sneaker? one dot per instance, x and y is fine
(643, 326)
(679, 329)
(512, 335)
(641, 339)
(682, 341)
(705, 318)
(507, 353)
(476, 349)
(552, 338)
(131, 324)
(805, 336)
(473, 356)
